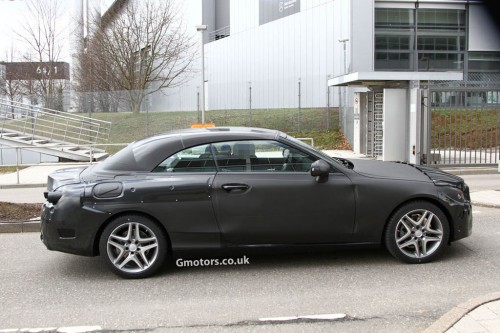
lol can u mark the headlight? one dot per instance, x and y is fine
(452, 195)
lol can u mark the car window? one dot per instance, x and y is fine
(238, 156)
(194, 159)
(260, 156)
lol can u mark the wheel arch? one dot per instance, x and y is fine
(95, 246)
(431, 200)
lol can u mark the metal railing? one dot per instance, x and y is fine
(464, 126)
(220, 33)
(19, 164)
(38, 122)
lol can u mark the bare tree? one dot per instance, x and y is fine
(43, 34)
(141, 48)
(12, 87)
(13, 90)
(92, 74)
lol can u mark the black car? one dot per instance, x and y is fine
(232, 187)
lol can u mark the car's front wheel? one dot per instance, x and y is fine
(417, 232)
(133, 246)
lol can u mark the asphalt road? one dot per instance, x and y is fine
(40, 288)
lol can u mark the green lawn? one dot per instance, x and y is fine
(128, 127)
(465, 128)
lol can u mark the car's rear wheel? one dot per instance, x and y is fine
(417, 232)
(133, 246)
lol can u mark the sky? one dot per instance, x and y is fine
(12, 16)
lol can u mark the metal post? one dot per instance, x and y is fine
(202, 81)
(327, 106)
(198, 107)
(344, 41)
(299, 109)
(202, 28)
(147, 122)
(250, 101)
(17, 164)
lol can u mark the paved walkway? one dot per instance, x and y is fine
(481, 315)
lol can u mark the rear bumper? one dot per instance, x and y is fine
(70, 233)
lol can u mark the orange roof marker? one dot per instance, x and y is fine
(199, 125)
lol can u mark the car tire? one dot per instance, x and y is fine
(133, 246)
(417, 232)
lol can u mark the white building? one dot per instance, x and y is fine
(316, 53)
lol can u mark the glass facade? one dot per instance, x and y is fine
(484, 61)
(419, 39)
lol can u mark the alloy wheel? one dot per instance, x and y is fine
(419, 233)
(132, 247)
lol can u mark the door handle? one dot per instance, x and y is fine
(234, 187)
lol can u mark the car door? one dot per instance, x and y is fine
(178, 191)
(266, 195)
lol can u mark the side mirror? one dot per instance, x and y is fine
(320, 168)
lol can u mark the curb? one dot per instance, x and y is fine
(458, 312)
(19, 227)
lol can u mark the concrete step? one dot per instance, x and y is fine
(39, 142)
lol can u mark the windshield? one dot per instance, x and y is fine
(316, 151)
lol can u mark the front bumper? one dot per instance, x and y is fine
(462, 221)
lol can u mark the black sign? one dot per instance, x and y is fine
(36, 70)
(270, 10)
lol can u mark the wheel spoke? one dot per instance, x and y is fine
(121, 250)
(408, 243)
(118, 246)
(407, 224)
(425, 243)
(125, 261)
(137, 261)
(146, 240)
(424, 219)
(119, 238)
(130, 231)
(409, 219)
(421, 249)
(427, 220)
(429, 230)
(137, 231)
(144, 258)
(148, 247)
(405, 236)
(432, 239)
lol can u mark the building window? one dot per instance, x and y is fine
(440, 39)
(484, 62)
(142, 61)
(419, 39)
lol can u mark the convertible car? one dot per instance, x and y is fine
(233, 187)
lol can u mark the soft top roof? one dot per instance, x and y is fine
(147, 153)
